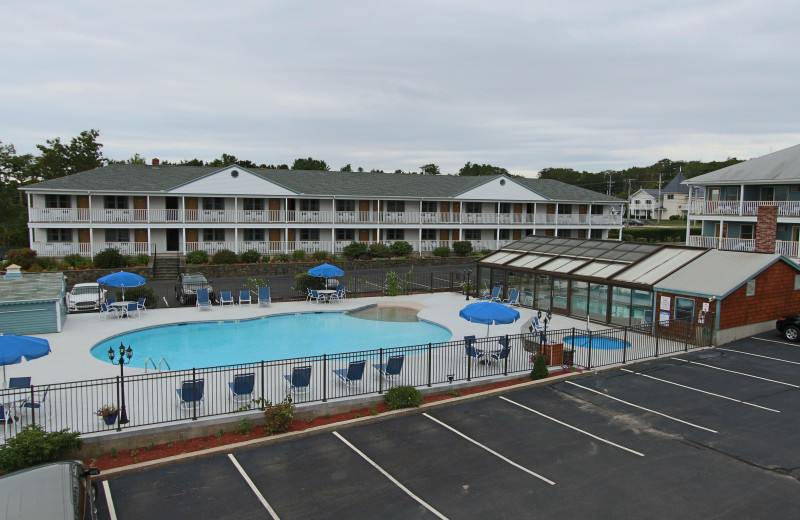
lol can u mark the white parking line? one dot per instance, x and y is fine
(701, 391)
(795, 345)
(759, 355)
(738, 373)
(643, 408)
(253, 487)
(573, 427)
(112, 513)
(501, 457)
(391, 478)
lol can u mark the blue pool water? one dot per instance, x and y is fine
(597, 342)
(208, 344)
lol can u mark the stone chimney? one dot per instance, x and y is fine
(155, 162)
(766, 228)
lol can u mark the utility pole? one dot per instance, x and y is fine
(658, 202)
(610, 183)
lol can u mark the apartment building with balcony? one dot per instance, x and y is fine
(155, 208)
(750, 206)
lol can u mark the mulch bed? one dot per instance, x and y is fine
(160, 451)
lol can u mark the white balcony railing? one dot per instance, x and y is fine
(747, 208)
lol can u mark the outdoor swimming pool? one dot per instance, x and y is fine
(598, 342)
(217, 343)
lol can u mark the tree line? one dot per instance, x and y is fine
(83, 152)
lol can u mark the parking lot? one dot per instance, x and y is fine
(709, 434)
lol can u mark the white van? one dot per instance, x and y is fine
(60, 490)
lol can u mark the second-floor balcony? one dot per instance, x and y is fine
(784, 247)
(176, 216)
(743, 208)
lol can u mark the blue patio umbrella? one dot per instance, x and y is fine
(14, 348)
(490, 313)
(325, 271)
(122, 279)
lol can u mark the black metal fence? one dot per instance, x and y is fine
(162, 397)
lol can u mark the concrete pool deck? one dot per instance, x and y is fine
(71, 360)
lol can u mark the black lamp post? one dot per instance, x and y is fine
(467, 273)
(123, 354)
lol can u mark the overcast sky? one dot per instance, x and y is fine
(589, 85)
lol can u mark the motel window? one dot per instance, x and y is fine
(59, 235)
(253, 204)
(648, 202)
(115, 202)
(395, 206)
(596, 210)
(429, 206)
(504, 207)
(309, 235)
(309, 204)
(395, 234)
(345, 234)
(504, 234)
(213, 203)
(751, 287)
(428, 234)
(118, 235)
(472, 234)
(473, 207)
(213, 235)
(345, 205)
(796, 282)
(565, 209)
(254, 235)
(747, 231)
(684, 309)
(57, 201)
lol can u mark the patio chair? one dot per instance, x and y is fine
(391, 369)
(203, 301)
(106, 310)
(308, 295)
(132, 308)
(37, 404)
(495, 296)
(142, 304)
(316, 296)
(300, 378)
(352, 374)
(191, 393)
(503, 352)
(537, 327)
(244, 296)
(242, 386)
(109, 301)
(338, 295)
(19, 382)
(263, 296)
(225, 297)
(513, 297)
(472, 352)
(6, 416)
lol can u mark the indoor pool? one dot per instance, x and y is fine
(217, 343)
(598, 342)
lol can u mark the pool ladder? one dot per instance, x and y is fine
(150, 360)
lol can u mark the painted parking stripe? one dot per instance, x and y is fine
(253, 487)
(738, 373)
(795, 345)
(701, 391)
(760, 356)
(573, 427)
(391, 478)
(501, 457)
(112, 513)
(643, 408)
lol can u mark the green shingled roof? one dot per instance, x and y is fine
(128, 178)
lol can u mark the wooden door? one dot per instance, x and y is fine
(551, 209)
(140, 209)
(290, 235)
(581, 233)
(363, 234)
(140, 236)
(456, 207)
(191, 236)
(274, 235)
(190, 205)
(83, 208)
(444, 235)
(274, 204)
(444, 207)
(83, 236)
(582, 209)
(363, 214)
(517, 234)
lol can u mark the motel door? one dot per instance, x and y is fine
(173, 240)
(83, 210)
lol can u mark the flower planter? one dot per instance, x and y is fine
(110, 418)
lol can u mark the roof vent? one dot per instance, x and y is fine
(502, 182)
(13, 271)
(234, 173)
(156, 162)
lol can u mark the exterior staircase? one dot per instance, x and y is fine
(166, 267)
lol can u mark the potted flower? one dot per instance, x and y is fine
(109, 413)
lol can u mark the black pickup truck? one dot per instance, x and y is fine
(187, 285)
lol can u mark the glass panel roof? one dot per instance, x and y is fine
(530, 261)
(569, 266)
(658, 265)
(500, 257)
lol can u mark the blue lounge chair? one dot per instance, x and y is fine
(300, 378)
(203, 301)
(513, 297)
(244, 296)
(537, 327)
(242, 386)
(351, 374)
(495, 296)
(191, 393)
(472, 352)
(263, 296)
(391, 369)
(225, 297)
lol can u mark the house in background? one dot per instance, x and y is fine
(642, 204)
(180, 209)
(751, 206)
(673, 200)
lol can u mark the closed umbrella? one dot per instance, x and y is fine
(490, 313)
(122, 279)
(14, 348)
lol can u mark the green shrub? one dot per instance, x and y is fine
(76, 261)
(303, 281)
(143, 291)
(675, 217)
(539, 368)
(265, 258)
(462, 248)
(281, 257)
(251, 256)
(141, 259)
(355, 250)
(401, 248)
(485, 252)
(33, 445)
(224, 256)
(299, 255)
(402, 397)
(442, 252)
(392, 282)
(378, 250)
(24, 257)
(46, 263)
(278, 416)
(108, 258)
(127, 260)
(36, 268)
(197, 257)
(320, 255)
